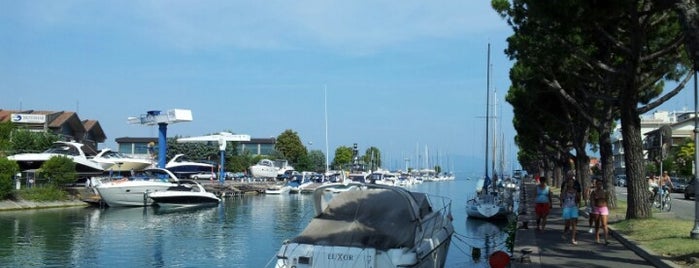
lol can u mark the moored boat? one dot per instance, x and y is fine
(187, 193)
(73, 150)
(182, 167)
(372, 226)
(278, 189)
(134, 191)
(111, 160)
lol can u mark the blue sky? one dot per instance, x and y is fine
(400, 75)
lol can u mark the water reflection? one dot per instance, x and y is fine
(240, 232)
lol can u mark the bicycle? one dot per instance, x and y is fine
(662, 202)
(666, 201)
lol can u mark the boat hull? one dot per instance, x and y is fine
(263, 172)
(487, 211)
(34, 161)
(184, 199)
(278, 190)
(126, 166)
(130, 193)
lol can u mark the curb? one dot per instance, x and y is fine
(642, 251)
(8, 205)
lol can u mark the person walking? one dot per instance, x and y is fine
(592, 216)
(570, 201)
(570, 179)
(600, 198)
(544, 202)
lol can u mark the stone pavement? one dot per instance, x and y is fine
(533, 248)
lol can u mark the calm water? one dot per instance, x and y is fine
(241, 232)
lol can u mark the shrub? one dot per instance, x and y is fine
(8, 169)
(59, 170)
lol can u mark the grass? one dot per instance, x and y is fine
(666, 237)
(42, 194)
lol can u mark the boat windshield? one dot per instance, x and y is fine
(153, 174)
(63, 149)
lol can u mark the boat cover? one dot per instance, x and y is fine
(373, 218)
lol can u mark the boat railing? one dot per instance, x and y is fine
(441, 207)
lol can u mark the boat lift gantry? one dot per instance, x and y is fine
(155, 117)
(222, 138)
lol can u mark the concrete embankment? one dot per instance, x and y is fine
(6, 205)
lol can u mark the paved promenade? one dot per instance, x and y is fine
(549, 249)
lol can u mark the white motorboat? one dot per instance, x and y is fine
(338, 187)
(135, 191)
(372, 226)
(278, 189)
(115, 161)
(301, 181)
(264, 169)
(182, 167)
(72, 150)
(188, 193)
(383, 177)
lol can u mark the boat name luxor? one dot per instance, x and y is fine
(340, 257)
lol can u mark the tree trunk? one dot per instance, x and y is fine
(606, 153)
(638, 194)
(582, 167)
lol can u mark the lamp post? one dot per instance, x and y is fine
(695, 232)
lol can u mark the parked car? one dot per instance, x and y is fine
(678, 185)
(203, 176)
(235, 175)
(620, 181)
(689, 190)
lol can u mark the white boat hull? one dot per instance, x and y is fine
(126, 166)
(34, 161)
(485, 206)
(487, 211)
(263, 172)
(285, 189)
(130, 193)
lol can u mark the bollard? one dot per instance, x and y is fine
(525, 256)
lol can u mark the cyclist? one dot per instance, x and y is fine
(665, 184)
(653, 186)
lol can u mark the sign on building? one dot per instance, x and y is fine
(28, 118)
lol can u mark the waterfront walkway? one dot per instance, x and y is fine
(547, 248)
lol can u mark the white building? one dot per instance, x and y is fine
(649, 124)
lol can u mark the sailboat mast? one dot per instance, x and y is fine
(327, 152)
(487, 114)
(495, 156)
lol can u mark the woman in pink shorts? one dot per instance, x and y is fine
(599, 199)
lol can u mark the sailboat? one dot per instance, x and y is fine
(488, 202)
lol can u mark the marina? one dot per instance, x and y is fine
(244, 230)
